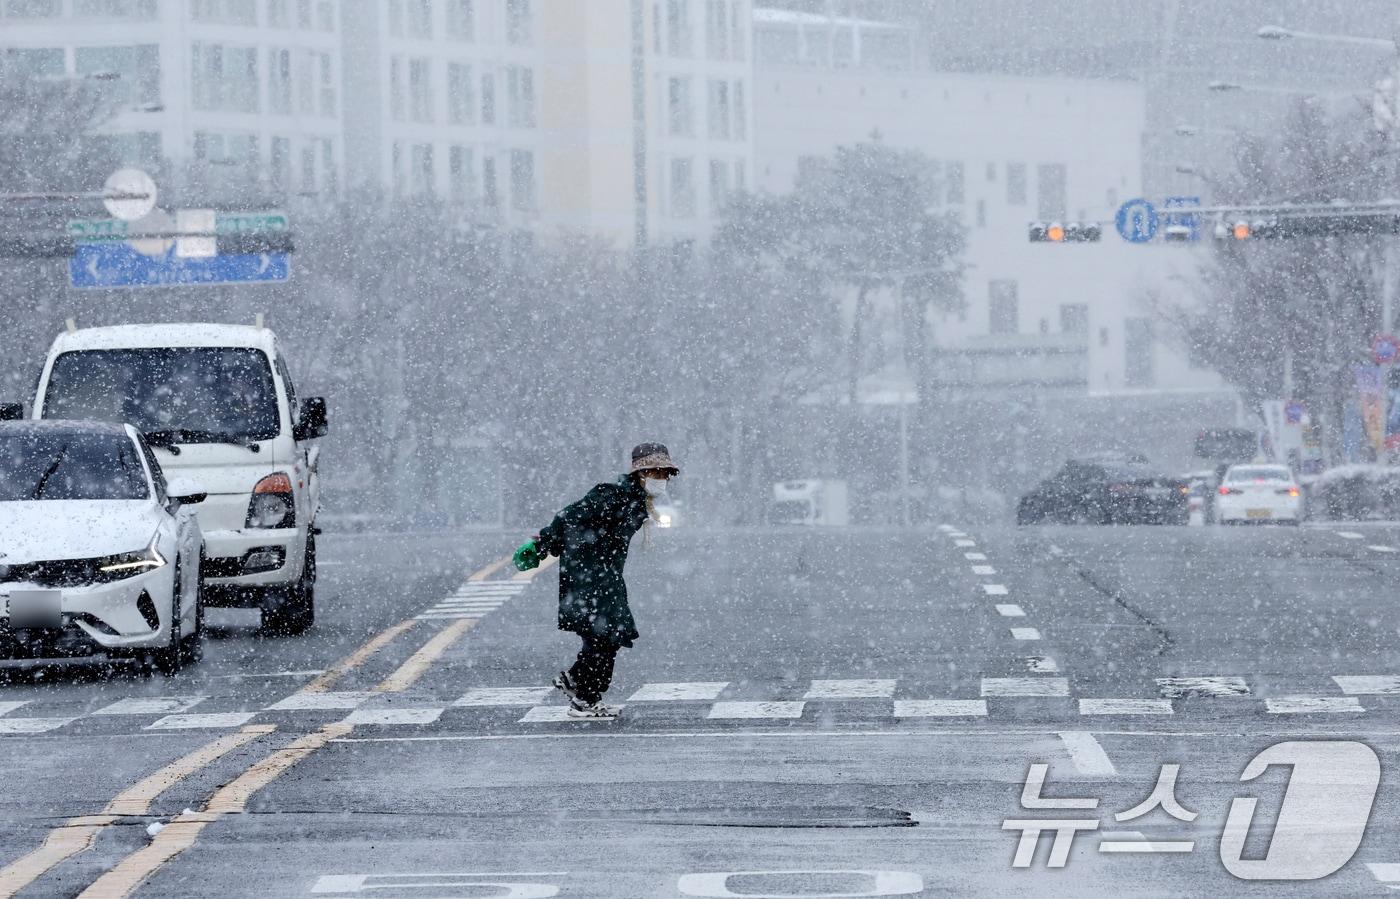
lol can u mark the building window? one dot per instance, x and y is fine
(461, 94)
(396, 104)
(741, 113)
(520, 24)
(331, 179)
(279, 14)
(1074, 319)
(304, 17)
(717, 29)
(736, 21)
(40, 63)
(679, 112)
(490, 193)
(224, 78)
(396, 169)
(420, 18)
(955, 191)
(1137, 352)
(396, 18)
(981, 213)
(280, 163)
(420, 90)
(741, 176)
(461, 19)
(228, 12)
(991, 171)
(279, 81)
(325, 15)
(137, 70)
(678, 27)
(306, 84)
(719, 110)
(327, 84)
(1016, 184)
(108, 9)
(1003, 312)
(308, 169)
(682, 188)
(522, 180)
(719, 185)
(226, 149)
(461, 173)
(488, 99)
(421, 175)
(1050, 192)
(520, 97)
(32, 9)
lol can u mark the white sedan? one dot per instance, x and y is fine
(1259, 493)
(98, 555)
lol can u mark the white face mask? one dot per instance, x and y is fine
(655, 487)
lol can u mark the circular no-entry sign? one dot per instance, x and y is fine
(1385, 349)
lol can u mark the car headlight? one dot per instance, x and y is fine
(124, 565)
(272, 504)
(664, 520)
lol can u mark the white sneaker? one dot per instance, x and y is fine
(595, 710)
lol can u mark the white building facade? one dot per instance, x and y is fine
(227, 91)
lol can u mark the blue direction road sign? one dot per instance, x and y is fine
(1181, 214)
(1136, 221)
(117, 264)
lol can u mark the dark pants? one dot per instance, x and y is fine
(593, 669)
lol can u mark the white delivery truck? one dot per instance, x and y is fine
(217, 405)
(810, 502)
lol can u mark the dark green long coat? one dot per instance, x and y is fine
(591, 538)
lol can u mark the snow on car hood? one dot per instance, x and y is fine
(74, 529)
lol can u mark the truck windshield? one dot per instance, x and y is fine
(54, 466)
(197, 394)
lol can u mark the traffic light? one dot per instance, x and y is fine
(1306, 224)
(1074, 232)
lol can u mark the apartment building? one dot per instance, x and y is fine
(242, 98)
(629, 119)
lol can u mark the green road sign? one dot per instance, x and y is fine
(92, 230)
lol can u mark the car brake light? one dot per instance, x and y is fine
(1287, 491)
(1226, 491)
(274, 483)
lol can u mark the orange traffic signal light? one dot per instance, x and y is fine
(1241, 231)
(1055, 233)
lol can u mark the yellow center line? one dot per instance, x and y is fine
(489, 570)
(76, 835)
(417, 665)
(181, 833)
(357, 658)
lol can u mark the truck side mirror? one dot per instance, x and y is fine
(313, 421)
(11, 411)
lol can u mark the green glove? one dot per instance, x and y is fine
(528, 556)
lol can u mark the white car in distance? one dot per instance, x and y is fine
(99, 556)
(1255, 492)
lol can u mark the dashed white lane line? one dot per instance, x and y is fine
(1086, 753)
(208, 721)
(393, 716)
(153, 705)
(1304, 705)
(983, 569)
(940, 708)
(1367, 685)
(1350, 535)
(504, 696)
(851, 689)
(679, 692)
(964, 542)
(975, 557)
(1125, 707)
(1025, 633)
(1025, 686)
(1010, 610)
(994, 589)
(1383, 549)
(757, 710)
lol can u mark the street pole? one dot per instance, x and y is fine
(904, 459)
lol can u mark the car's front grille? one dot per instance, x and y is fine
(59, 573)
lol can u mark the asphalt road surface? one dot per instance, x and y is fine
(814, 713)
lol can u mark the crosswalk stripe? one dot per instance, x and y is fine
(208, 720)
(679, 692)
(32, 725)
(1125, 707)
(549, 714)
(1174, 687)
(152, 705)
(940, 708)
(983, 569)
(479, 696)
(995, 589)
(1025, 686)
(393, 716)
(757, 710)
(850, 689)
(1363, 685)
(1025, 633)
(975, 557)
(1302, 705)
(8, 707)
(329, 701)
(1010, 610)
